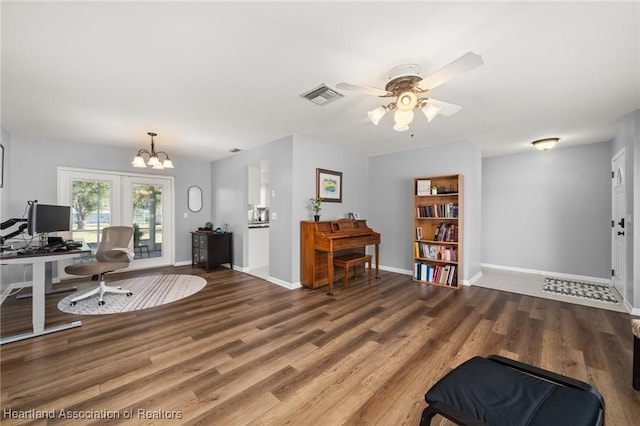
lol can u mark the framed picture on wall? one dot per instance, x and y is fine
(351, 216)
(329, 186)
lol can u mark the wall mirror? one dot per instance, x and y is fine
(194, 198)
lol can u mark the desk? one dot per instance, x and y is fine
(40, 262)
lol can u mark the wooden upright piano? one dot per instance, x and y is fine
(321, 241)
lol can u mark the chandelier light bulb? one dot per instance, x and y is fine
(430, 111)
(138, 161)
(403, 117)
(406, 101)
(153, 161)
(376, 114)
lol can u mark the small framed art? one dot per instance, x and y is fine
(329, 186)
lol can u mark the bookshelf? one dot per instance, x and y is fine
(437, 230)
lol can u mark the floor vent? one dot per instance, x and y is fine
(322, 95)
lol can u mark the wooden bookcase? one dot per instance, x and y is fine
(437, 230)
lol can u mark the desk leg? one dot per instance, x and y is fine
(38, 309)
(38, 297)
(377, 261)
(330, 272)
(48, 283)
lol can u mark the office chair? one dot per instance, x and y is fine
(114, 252)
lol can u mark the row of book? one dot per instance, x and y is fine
(436, 252)
(441, 274)
(446, 232)
(438, 210)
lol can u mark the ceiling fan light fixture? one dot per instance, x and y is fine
(376, 114)
(400, 127)
(430, 111)
(545, 144)
(403, 118)
(407, 101)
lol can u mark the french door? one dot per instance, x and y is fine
(103, 198)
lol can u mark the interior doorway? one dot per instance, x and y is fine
(258, 218)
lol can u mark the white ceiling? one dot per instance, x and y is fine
(211, 76)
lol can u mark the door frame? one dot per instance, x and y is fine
(620, 272)
(123, 178)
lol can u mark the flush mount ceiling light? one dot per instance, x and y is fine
(545, 144)
(154, 161)
(404, 85)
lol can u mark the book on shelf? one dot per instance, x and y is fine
(439, 274)
(446, 232)
(438, 210)
(435, 252)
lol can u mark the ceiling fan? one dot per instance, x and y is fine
(406, 85)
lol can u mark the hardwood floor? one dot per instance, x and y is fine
(244, 351)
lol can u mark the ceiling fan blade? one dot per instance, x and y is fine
(446, 108)
(362, 89)
(464, 63)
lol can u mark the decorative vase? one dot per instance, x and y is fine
(316, 217)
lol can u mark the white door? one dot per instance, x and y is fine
(618, 229)
(148, 205)
(105, 198)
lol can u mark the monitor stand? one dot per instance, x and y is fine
(48, 283)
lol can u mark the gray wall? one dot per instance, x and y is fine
(229, 185)
(310, 154)
(628, 137)
(292, 163)
(4, 191)
(391, 197)
(549, 211)
(33, 175)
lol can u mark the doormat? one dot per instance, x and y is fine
(592, 291)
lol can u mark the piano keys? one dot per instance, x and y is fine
(321, 241)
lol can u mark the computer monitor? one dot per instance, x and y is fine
(45, 218)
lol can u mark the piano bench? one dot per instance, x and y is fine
(352, 259)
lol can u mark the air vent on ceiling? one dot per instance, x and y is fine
(322, 95)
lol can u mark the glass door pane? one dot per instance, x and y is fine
(147, 220)
(91, 209)
(147, 205)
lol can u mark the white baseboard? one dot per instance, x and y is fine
(473, 279)
(396, 270)
(548, 273)
(285, 284)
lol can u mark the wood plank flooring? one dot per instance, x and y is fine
(246, 352)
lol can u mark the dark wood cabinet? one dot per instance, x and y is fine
(209, 249)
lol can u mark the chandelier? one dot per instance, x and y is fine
(154, 161)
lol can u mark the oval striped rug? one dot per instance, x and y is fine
(147, 292)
